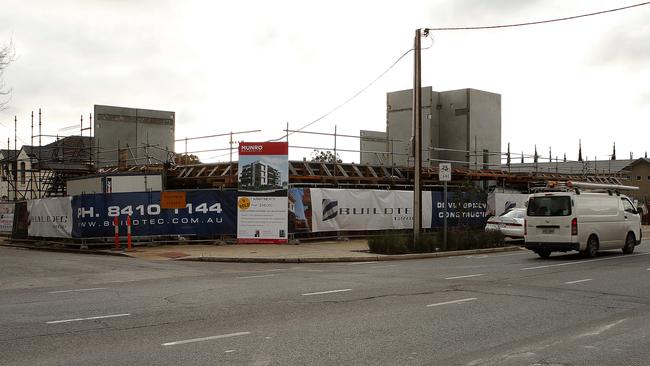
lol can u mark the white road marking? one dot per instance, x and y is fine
(466, 276)
(78, 290)
(601, 329)
(91, 318)
(230, 351)
(122, 281)
(206, 338)
(355, 263)
(578, 281)
(326, 292)
(583, 261)
(259, 276)
(506, 255)
(453, 302)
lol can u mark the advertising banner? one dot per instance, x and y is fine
(262, 202)
(464, 210)
(207, 213)
(50, 217)
(300, 210)
(6, 217)
(352, 209)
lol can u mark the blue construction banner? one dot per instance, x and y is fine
(463, 210)
(207, 213)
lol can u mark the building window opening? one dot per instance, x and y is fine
(22, 173)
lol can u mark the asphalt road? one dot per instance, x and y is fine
(500, 309)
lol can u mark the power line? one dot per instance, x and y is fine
(426, 32)
(537, 22)
(355, 95)
(351, 98)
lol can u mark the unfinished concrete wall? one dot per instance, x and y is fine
(133, 129)
(485, 128)
(374, 147)
(399, 106)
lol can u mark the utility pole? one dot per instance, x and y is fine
(417, 137)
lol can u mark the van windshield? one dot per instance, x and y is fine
(549, 206)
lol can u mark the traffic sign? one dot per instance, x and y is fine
(444, 172)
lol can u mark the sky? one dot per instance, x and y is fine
(260, 65)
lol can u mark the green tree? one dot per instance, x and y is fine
(325, 156)
(187, 159)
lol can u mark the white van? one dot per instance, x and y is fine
(581, 219)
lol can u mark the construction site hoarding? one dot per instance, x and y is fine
(207, 213)
(325, 209)
(50, 217)
(262, 202)
(6, 217)
(463, 209)
(361, 209)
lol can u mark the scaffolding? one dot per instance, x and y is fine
(49, 165)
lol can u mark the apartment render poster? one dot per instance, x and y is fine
(262, 202)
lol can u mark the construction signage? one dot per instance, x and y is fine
(262, 203)
(328, 209)
(173, 199)
(206, 213)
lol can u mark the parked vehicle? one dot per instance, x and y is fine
(509, 223)
(586, 217)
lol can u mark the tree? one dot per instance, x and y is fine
(186, 159)
(6, 57)
(325, 156)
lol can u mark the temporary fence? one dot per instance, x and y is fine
(213, 213)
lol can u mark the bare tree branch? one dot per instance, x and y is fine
(7, 55)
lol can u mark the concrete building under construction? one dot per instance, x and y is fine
(460, 126)
(133, 136)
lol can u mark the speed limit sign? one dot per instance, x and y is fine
(444, 172)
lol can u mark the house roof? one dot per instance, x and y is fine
(636, 162)
(72, 152)
(8, 154)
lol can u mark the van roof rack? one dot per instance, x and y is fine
(603, 187)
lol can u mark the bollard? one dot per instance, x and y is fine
(128, 233)
(117, 233)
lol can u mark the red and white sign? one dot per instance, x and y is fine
(262, 203)
(263, 148)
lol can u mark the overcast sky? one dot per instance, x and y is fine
(247, 65)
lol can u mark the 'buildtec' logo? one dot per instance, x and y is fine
(330, 209)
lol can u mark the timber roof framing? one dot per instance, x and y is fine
(321, 174)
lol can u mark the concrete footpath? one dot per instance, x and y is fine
(325, 251)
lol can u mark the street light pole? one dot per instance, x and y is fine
(417, 137)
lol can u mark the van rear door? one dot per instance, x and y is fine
(549, 218)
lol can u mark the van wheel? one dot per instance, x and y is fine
(630, 241)
(592, 247)
(544, 253)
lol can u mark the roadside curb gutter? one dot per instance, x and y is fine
(66, 250)
(369, 258)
